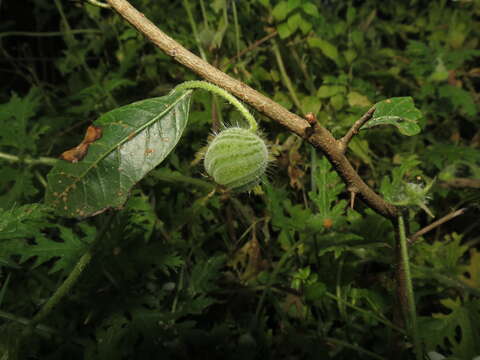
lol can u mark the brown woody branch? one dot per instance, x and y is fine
(461, 183)
(355, 129)
(320, 138)
(436, 224)
(252, 47)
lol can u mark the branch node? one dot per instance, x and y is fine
(343, 142)
(313, 122)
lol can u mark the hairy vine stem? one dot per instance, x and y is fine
(225, 94)
(410, 310)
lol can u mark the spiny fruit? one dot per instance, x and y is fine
(236, 158)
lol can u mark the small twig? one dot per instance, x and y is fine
(436, 224)
(352, 198)
(98, 3)
(343, 142)
(461, 183)
(252, 47)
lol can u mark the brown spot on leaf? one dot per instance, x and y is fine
(77, 153)
(149, 151)
(92, 134)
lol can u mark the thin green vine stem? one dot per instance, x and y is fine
(186, 5)
(223, 93)
(48, 33)
(237, 27)
(63, 289)
(412, 312)
(40, 328)
(367, 313)
(42, 160)
(286, 79)
(204, 15)
(354, 347)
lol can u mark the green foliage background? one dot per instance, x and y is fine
(288, 271)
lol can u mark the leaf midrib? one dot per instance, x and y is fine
(127, 138)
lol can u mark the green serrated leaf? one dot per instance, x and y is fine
(205, 273)
(67, 251)
(328, 91)
(311, 9)
(280, 11)
(461, 99)
(326, 190)
(327, 48)
(23, 221)
(399, 112)
(284, 30)
(295, 21)
(136, 138)
(459, 329)
(14, 121)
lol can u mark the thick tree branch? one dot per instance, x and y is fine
(321, 138)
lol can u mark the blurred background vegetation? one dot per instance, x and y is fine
(288, 271)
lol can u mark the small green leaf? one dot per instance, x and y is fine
(311, 104)
(136, 138)
(327, 48)
(280, 11)
(351, 13)
(67, 251)
(357, 99)
(327, 91)
(305, 27)
(23, 221)
(337, 101)
(460, 99)
(315, 291)
(284, 30)
(295, 21)
(311, 9)
(400, 112)
(293, 4)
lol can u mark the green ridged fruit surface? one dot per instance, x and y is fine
(236, 158)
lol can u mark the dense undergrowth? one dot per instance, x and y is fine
(288, 271)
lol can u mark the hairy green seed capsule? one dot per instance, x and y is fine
(236, 158)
